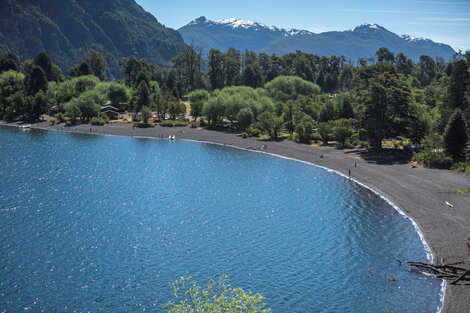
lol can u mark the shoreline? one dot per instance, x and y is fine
(416, 193)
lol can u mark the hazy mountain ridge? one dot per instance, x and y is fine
(360, 42)
(67, 29)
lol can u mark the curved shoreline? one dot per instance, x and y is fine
(418, 194)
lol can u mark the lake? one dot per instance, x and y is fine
(102, 223)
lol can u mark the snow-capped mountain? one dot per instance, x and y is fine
(359, 42)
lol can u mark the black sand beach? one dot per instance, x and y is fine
(419, 192)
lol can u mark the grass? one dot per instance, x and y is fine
(460, 191)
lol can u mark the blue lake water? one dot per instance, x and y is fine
(99, 223)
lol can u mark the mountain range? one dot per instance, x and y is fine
(67, 29)
(360, 42)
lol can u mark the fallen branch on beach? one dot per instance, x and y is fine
(445, 271)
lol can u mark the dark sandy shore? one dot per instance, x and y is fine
(420, 193)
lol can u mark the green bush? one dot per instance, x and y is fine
(166, 124)
(60, 117)
(52, 121)
(96, 121)
(194, 124)
(202, 122)
(432, 159)
(244, 135)
(461, 167)
(253, 132)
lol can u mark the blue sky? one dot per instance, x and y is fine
(442, 21)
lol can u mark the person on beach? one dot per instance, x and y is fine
(349, 173)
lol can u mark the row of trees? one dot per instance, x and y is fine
(258, 93)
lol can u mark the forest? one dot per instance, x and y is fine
(302, 97)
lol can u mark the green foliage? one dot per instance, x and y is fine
(197, 99)
(304, 128)
(97, 64)
(35, 81)
(89, 103)
(327, 112)
(118, 93)
(461, 167)
(73, 112)
(245, 117)
(343, 131)
(289, 87)
(60, 118)
(143, 98)
(146, 114)
(324, 130)
(455, 136)
(96, 121)
(432, 159)
(216, 297)
(176, 109)
(270, 123)
(39, 105)
(253, 132)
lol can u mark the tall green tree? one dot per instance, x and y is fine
(459, 85)
(9, 61)
(39, 105)
(197, 99)
(216, 71)
(232, 66)
(143, 98)
(386, 102)
(456, 136)
(188, 68)
(97, 64)
(35, 81)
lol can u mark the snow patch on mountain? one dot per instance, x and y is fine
(246, 24)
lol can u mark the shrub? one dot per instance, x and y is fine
(194, 124)
(60, 117)
(202, 122)
(253, 132)
(96, 121)
(244, 135)
(462, 167)
(52, 121)
(166, 124)
(432, 159)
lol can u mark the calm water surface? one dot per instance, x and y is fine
(91, 223)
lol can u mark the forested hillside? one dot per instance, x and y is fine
(67, 29)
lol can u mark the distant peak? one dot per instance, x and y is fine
(366, 27)
(413, 38)
(199, 20)
(247, 24)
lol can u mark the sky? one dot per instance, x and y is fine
(441, 21)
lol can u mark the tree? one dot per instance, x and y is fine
(324, 130)
(216, 71)
(327, 112)
(270, 123)
(176, 108)
(143, 98)
(404, 65)
(213, 109)
(456, 136)
(459, 82)
(290, 87)
(304, 128)
(36, 80)
(146, 114)
(385, 55)
(426, 70)
(343, 131)
(39, 105)
(43, 60)
(245, 118)
(118, 93)
(97, 64)
(73, 112)
(8, 62)
(188, 67)
(81, 69)
(215, 297)
(232, 66)
(197, 99)
(386, 101)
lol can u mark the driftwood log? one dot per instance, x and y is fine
(446, 271)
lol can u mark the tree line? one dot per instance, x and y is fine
(299, 95)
